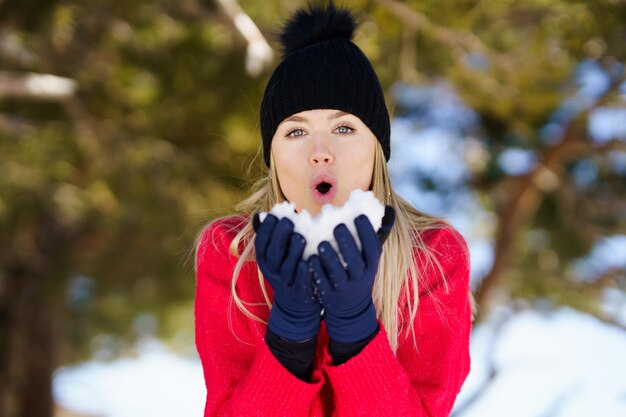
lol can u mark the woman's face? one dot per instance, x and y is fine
(321, 156)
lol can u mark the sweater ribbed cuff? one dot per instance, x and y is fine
(275, 390)
(381, 378)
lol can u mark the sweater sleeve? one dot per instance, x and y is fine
(421, 379)
(242, 376)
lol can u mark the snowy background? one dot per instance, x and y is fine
(525, 363)
(528, 360)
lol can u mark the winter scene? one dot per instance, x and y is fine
(342, 208)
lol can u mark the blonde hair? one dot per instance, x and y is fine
(395, 291)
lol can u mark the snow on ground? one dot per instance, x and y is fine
(156, 383)
(560, 364)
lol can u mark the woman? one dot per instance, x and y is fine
(386, 335)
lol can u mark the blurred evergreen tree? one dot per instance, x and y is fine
(105, 183)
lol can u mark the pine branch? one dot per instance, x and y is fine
(455, 39)
(259, 53)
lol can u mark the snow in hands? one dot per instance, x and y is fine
(320, 228)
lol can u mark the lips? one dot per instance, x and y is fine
(323, 188)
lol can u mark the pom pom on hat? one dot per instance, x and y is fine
(307, 27)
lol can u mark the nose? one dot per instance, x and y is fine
(321, 153)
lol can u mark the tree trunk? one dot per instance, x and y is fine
(27, 350)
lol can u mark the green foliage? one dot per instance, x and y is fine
(160, 134)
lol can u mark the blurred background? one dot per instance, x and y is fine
(125, 126)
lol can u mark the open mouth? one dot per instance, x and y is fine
(323, 187)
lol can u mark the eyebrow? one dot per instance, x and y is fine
(295, 118)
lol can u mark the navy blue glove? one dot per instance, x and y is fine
(346, 293)
(295, 314)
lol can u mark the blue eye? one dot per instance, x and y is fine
(344, 129)
(295, 133)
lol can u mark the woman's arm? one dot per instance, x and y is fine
(422, 381)
(242, 376)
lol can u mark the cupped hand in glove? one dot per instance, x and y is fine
(345, 293)
(295, 314)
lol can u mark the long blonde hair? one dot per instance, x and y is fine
(395, 291)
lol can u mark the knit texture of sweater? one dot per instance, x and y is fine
(244, 378)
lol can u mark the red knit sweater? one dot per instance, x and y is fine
(243, 378)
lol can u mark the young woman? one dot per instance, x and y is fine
(279, 335)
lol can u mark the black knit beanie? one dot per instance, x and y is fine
(323, 69)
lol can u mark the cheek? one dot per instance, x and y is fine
(366, 171)
(289, 171)
(287, 164)
(362, 167)
(280, 152)
(355, 172)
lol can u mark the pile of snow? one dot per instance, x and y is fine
(320, 228)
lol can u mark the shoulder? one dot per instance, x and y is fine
(223, 229)
(215, 238)
(442, 254)
(444, 241)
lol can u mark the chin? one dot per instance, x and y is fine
(314, 209)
